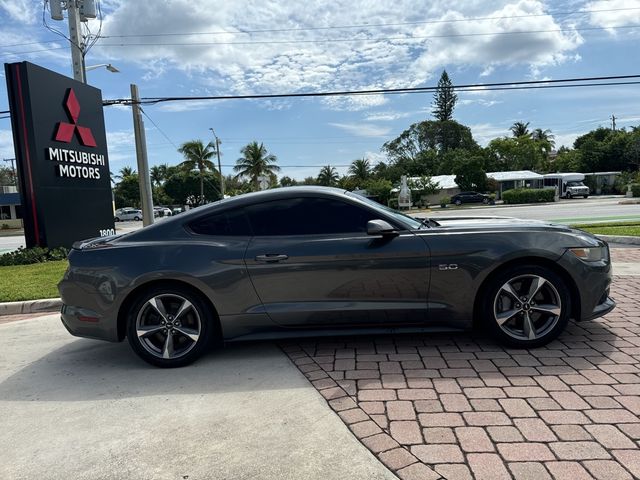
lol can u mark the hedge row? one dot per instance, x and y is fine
(528, 195)
(635, 189)
(27, 256)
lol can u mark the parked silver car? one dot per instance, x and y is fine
(126, 214)
(304, 261)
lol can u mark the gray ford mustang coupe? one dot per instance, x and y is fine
(306, 261)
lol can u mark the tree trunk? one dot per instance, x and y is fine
(201, 189)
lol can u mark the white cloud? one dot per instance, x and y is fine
(483, 133)
(396, 54)
(619, 13)
(23, 11)
(362, 130)
(6, 143)
(386, 116)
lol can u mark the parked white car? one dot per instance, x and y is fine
(161, 212)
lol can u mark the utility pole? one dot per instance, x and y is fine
(78, 11)
(219, 164)
(77, 41)
(613, 122)
(146, 197)
(13, 169)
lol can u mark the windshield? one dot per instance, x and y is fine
(410, 222)
(575, 184)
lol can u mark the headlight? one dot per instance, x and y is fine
(591, 254)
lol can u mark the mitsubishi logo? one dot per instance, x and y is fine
(66, 130)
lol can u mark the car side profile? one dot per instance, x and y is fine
(469, 197)
(309, 261)
(127, 214)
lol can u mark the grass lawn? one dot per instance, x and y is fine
(613, 228)
(31, 282)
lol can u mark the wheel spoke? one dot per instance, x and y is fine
(552, 309)
(167, 350)
(536, 284)
(186, 305)
(148, 330)
(528, 327)
(189, 332)
(157, 304)
(509, 289)
(503, 317)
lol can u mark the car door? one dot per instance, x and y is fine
(313, 264)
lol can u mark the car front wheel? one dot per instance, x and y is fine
(458, 202)
(169, 327)
(527, 306)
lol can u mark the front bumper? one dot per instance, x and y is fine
(601, 309)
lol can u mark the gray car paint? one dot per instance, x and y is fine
(328, 284)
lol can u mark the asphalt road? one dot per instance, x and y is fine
(82, 409)
(588, 210)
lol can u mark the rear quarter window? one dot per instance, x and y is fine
(232, 223)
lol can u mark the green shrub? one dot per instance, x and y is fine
(528, 195)
(444, 201)
(27, 256)
(635, 189)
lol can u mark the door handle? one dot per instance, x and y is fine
(271, 258)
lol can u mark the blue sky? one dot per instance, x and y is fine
(284, 47)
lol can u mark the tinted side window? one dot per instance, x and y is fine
(228, 223)
(308, 216)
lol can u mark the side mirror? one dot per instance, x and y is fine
(380, 227)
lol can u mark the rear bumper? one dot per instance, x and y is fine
(82, 322)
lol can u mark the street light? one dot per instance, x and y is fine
(108, 66)
(218, 142)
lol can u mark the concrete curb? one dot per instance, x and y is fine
(627, 240)
(31, 306)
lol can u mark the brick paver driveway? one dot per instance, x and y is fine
(457, 406)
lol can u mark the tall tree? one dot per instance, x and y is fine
(328, 176)
(256, 161)
(197, 157)
(158, 174)
(360, 169)
(520, 129)
(444, 99)
(125, 172)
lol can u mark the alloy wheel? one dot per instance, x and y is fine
(168, 326)
(527, 307)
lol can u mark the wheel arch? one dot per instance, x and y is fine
(538, 261)
(126, 305)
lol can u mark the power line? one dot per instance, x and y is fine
(376, 39)
(518, 85)
(158, 128)
(242, 31)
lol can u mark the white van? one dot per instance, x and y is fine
(569, 184)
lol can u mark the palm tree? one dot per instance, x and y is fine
(158, 174)
(520, 129)
(360, 169)
(328, 176)
(255, 162)
(125, 172)
(197, 156)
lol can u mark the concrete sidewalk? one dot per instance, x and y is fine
(83, 409)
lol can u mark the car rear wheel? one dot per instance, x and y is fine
(569, 195)
(117, 219)
(136, 218)
(527, 306)
(485, 200)
(458, 202)
(170, 327)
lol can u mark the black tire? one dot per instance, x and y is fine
(494, 296)
(458, 202)
(568, 195)
(117, 219)
(485, 201)
(137, 219)
(171, 296)
(586, 196)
